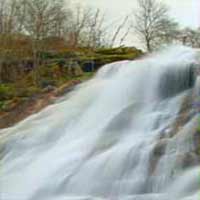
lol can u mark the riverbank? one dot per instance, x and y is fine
(19, 109)
(26, 89)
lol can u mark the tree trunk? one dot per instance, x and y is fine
(148, 45)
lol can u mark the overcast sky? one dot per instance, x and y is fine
(186, 12)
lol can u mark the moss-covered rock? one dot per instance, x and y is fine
(101, 57)
(91, 60)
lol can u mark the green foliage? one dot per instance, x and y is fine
(198, 132)
(104, 56)
(198, 128)
(85, 76)
(27, 91)
(119, 51)
(100, 56)
(60, 68)
(2, 104)
(9, 105)
(7, 91)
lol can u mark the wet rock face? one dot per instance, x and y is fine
(2, 150)
(188, 160)
(160, 148)
(196, 139)
(175, 81)
(184, 116)
(157, 152)
(178, 129)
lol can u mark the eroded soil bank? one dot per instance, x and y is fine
(34, 104)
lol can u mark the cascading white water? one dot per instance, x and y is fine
(111, 138)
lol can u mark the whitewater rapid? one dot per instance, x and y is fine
(112, 138)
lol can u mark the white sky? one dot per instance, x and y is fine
(186, 12)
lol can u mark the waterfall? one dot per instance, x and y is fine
(130, 133)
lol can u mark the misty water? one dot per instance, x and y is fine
(111, 138)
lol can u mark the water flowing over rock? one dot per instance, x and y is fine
(130, 133)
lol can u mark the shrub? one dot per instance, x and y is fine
(7, 91)
(27, 91)
(198, 127)
(47, 82)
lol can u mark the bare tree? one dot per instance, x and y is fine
(104, 34)
(166, 34)
(118, 30)
(77, 25)
(40, 19)
(43, 17)
(9, 11)
(125, 35)
(96, 29)
(151, 22)
(189, 37)
(9, 29)
(87, 27)
(197, 38)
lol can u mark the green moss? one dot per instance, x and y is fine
(119, 50)
(2, 104)
(101, 56)
(198, 132)
(104, 56)
(7, 91)
(198, 127)
(58, 71)
(85, 76)
(28, 91)
(9, 105)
